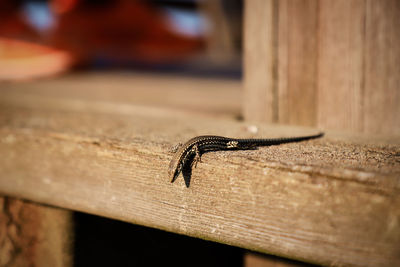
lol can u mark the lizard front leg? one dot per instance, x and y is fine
(175, 148)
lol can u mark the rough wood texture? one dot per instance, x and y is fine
(259, 61)
(338, 64)
(34, 235)
(331, 201)
(297, 66)
(382, 67)
(211, 96)
(262, 260)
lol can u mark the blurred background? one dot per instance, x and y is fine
(331, 65)
(41, 38)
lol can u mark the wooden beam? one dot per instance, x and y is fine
(297, 62)
(340, 64)
(381, 96)
(202, 96)
(252, 259)
(260, 61)
(330, 201)
(329, 64)
(34, 235)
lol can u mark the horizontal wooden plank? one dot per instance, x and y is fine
(212, 96)
(331, 201)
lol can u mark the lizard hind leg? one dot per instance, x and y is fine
(197, 157)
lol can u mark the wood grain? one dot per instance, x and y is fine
(215, 97)
(34, 235)
(330, 201)
(382, 67)
(340, 64)
(297, 62)
(252, 259)
(329, 64)
(260, 61)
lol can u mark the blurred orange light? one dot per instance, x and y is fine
(23, 60)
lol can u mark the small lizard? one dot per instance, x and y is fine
(191, 151)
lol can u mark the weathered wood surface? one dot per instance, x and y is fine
(329, 64)
(340, 65)
(260, 61)
(296, 62)
(331, 201)
(34, 235)
(252, 259)
(212, 96)
(382, 67)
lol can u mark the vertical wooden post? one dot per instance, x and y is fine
(328, 64)
(260, 61)
(34, 235)
(340, 64)
(259, 260)
(297, 62)
(381, 98)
